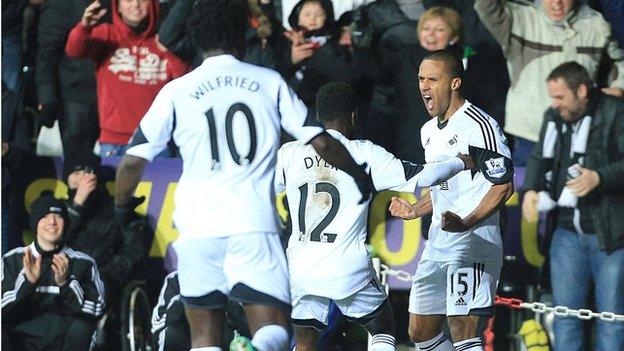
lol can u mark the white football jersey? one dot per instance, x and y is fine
(326, 251)
(225, 117)
(469, 131)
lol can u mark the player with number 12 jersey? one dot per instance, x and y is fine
(326, 251)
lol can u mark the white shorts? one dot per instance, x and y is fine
(313, 311)
(455, 288)
(249, 268)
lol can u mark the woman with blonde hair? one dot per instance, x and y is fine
(484, 84)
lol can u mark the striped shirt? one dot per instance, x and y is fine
(82, 294)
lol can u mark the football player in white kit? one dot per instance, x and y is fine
(327, 257)
(458, 273)
(225, 117)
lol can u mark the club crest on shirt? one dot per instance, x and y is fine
(496, 167)
(453, 140)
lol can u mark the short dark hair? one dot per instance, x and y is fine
(219, 24)
(573, 74)
(453, 62)
(335, 101)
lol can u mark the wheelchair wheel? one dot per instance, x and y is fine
(136, 319)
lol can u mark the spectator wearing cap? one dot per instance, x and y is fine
(93, 229)
(51, 294)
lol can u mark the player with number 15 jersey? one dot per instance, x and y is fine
(326, 251)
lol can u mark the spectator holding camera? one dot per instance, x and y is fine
(577, 167)
(51, 294)
(132, 66)
(93, 229)
(314, 54)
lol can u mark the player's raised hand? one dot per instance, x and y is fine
(453, 223)
(92, 14)
(32, 266)
(469, 162)
(402, 208)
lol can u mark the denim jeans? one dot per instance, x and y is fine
(12, 62)
(575, 260)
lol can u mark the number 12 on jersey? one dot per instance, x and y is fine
(317, 234)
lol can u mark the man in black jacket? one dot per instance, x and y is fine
(65, 87)
(577, 167)
(51, 294)
(93, 228)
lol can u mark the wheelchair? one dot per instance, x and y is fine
(126, 327)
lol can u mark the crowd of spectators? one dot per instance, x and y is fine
(98, 65)
(95, 67)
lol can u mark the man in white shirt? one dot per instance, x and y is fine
(225, 117)
(458, 274)
(326, 252)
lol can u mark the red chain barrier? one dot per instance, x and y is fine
(512, 303)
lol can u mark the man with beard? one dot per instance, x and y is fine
(93, 229)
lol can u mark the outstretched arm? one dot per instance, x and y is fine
(434, 173)
(494, 15)
(332, 151)
(128, 176)
(403, 209)
(82, 41)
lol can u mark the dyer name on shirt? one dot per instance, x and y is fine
(317, 161)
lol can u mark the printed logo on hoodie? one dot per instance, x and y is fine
(150, 68)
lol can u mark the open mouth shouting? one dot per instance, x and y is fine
(428, 100)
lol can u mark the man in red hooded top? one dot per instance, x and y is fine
(132, 66)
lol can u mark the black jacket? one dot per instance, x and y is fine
(13, 17)
(330, 62)
(42, 309)
(605, 155)
(94, 231)
(58, 77)
(174, 36)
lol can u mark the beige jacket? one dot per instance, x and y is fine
(534, 45)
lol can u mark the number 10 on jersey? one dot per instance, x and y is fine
(229, 134)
